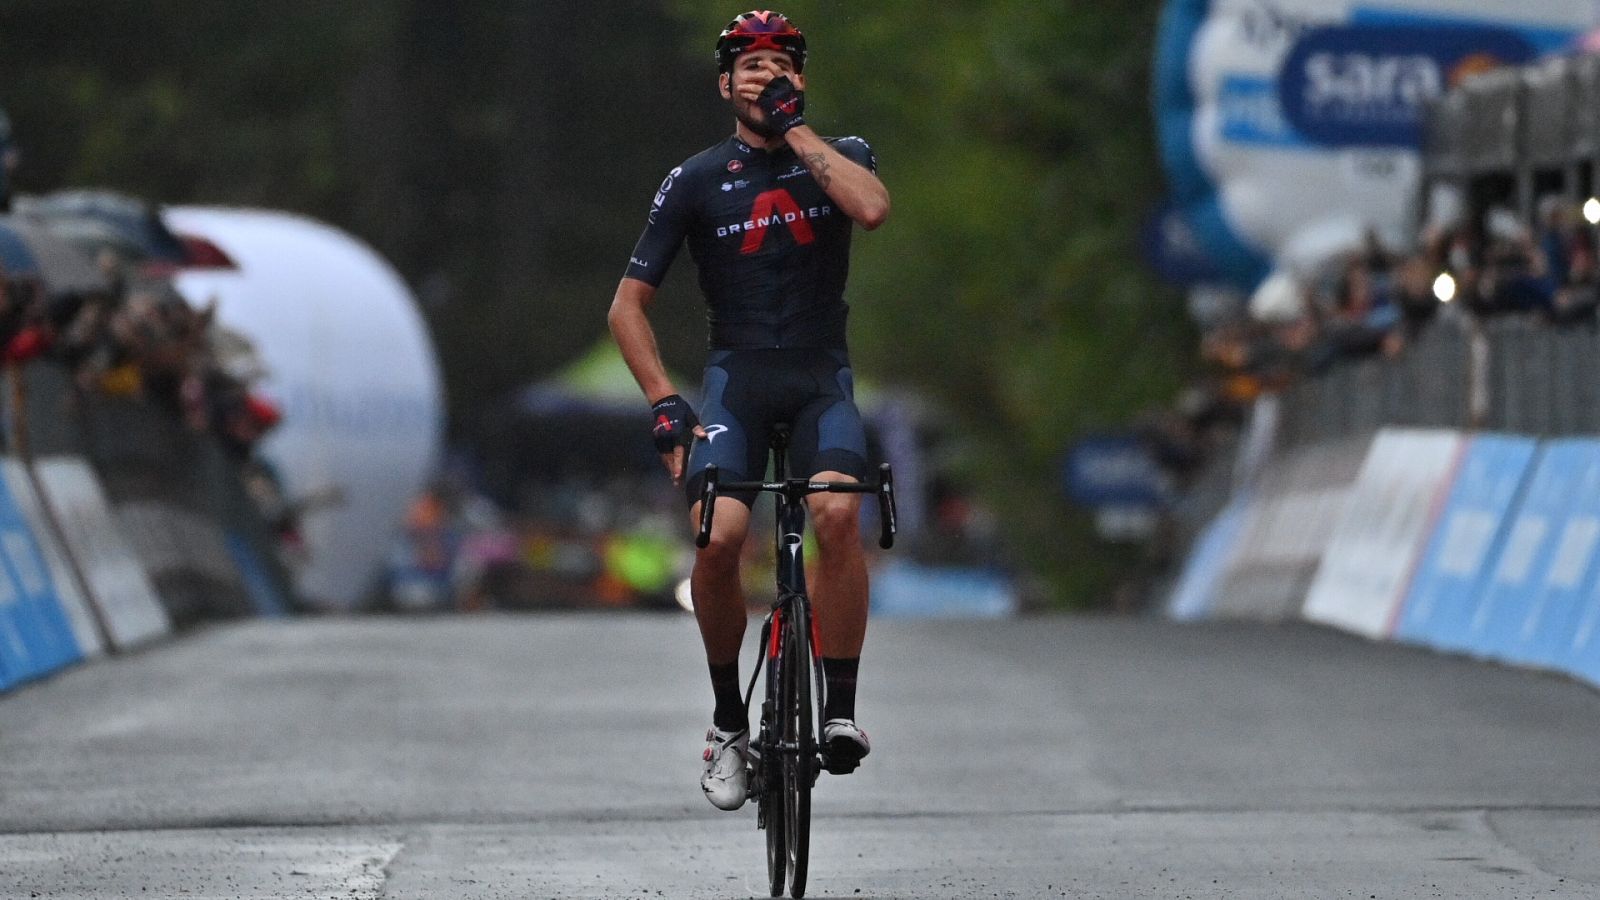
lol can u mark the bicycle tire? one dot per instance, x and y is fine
(799, 766)
(772, 814)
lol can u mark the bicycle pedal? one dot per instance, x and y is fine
(840, 766)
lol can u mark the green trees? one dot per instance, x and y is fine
(503, 153)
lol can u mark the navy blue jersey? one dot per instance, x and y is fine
(772, 248)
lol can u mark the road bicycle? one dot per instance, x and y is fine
(785, 758)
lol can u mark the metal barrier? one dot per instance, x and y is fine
(1514, 375)
(1538, 125)
(177, 496)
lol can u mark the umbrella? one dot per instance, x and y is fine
(95, 219)
(61, 266)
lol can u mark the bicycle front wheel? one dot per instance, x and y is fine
(773, 816)
(799, 763)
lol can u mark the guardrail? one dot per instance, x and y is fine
(1536, 128)
(117, 525)
(1512, 375)
(1477, 543)
(1449, 497)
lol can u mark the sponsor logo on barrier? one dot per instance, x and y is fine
(1574, 553)
(1466, 542)
(1517, 560)
(1476, 521)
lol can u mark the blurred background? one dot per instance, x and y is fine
(1117, 227)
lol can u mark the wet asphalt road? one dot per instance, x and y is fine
(557, 756)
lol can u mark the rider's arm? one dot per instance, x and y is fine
(670, 213)
(853, 186)
(630, 325)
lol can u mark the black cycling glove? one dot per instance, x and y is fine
(675, 423)
(783, 104)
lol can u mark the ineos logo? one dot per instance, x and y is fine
(661, 194)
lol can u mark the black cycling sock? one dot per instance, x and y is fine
(730, 713)
(840, 675)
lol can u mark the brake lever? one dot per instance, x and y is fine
(886, 506)
(708, 507)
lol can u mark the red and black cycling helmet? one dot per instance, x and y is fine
(760, 30)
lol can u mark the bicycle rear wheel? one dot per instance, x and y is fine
(771, 814)
(799, 763)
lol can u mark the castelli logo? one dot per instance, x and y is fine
(735, 165)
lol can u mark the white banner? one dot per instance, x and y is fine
(1375, 548)
(118, 586)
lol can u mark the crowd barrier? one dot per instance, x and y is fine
(118, 525)
(1476, 543)
(1510, 375)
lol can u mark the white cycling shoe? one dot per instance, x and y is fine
(727, 778)
(844, 744)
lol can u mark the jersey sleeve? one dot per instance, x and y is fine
(670, 213)
(858, 151)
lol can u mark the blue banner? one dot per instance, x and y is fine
(1195, 594)
(265, 597)
(1530, 547)
(1581, 655)
(1470, 530)
(28, 596)
(1368, 85)
(1116, 470)
(1545, 638)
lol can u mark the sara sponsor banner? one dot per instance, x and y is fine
(128, 604)
(1290, 127)
(1368, 564)
(1369, 85)
(1469, 534)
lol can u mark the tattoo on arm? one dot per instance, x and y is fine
(818, 164)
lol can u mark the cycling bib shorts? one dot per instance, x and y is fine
(747, 392)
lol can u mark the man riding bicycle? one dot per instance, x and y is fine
(768, 215)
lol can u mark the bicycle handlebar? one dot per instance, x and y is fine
(800, 487)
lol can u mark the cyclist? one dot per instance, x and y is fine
(768, 215)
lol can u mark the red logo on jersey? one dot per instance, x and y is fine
(734, 165)
(776, 208)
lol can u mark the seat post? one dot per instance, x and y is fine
(780, 447)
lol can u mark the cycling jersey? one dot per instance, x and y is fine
(772, 248)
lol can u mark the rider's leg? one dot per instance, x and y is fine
(719, 605)
(840, 596)
(839, 585)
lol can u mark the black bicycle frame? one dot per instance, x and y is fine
(797, 756)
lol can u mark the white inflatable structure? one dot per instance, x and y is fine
(349, 362)
(1289, 128)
